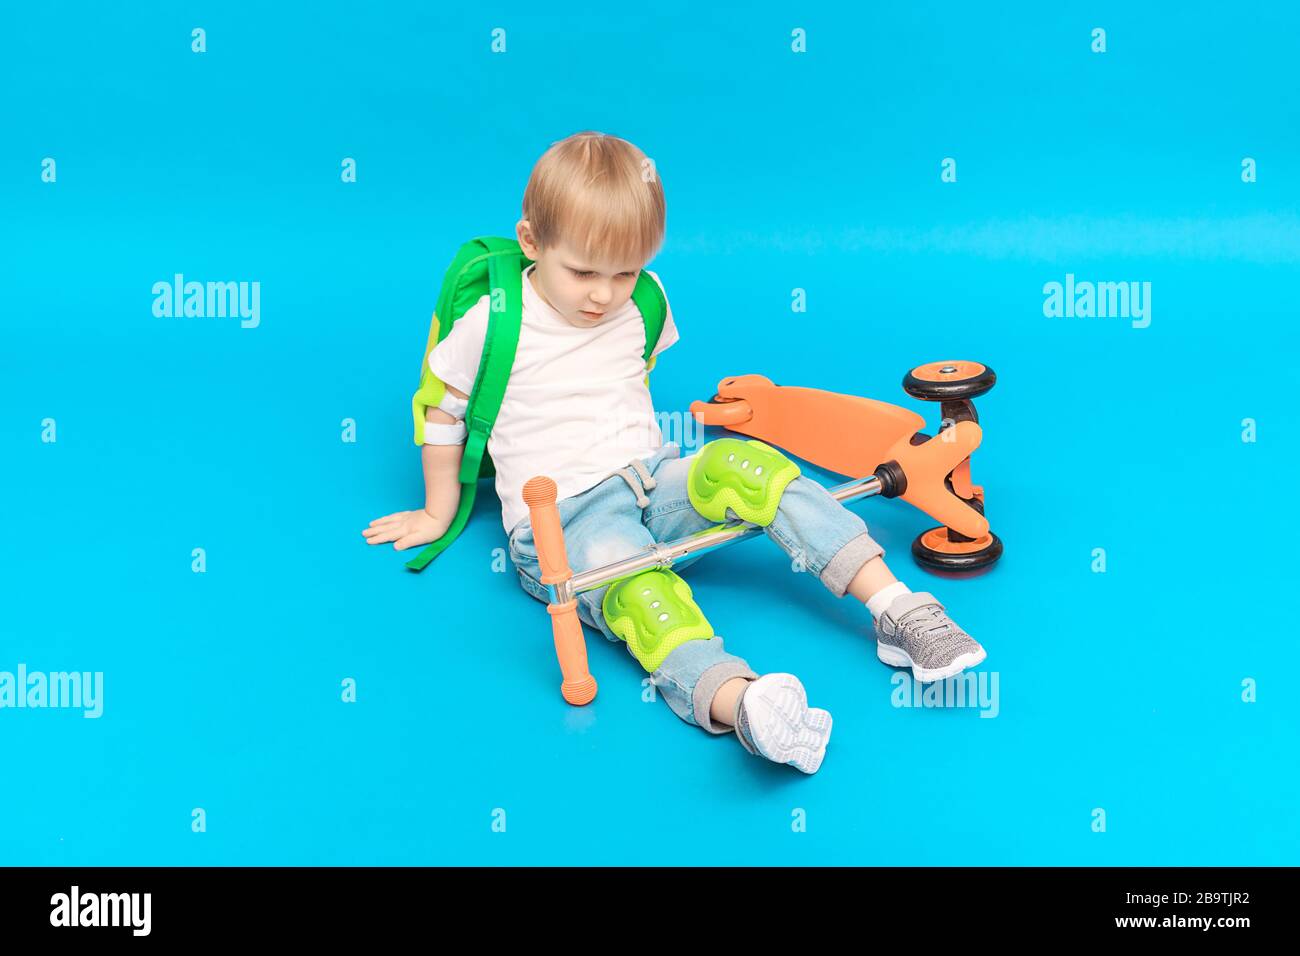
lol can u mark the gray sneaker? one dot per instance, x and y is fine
(773, 720)
(915, 632)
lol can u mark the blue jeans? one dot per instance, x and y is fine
(605, 524)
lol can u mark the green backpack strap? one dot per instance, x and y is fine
(649, 299)
(505, 272)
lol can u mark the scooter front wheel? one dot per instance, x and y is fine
(935, 552)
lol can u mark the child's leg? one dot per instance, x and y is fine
(708, 687)
(821, 535)
(723, 707)
(816, 531)
(665, 631)
(601, 526)
(691, 679)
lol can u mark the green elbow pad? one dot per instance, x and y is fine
(428, 396)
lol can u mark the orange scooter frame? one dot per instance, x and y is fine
(860, 436)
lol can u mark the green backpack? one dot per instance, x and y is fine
(494, 266)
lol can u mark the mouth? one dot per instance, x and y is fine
(592, 315)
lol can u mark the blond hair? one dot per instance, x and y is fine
(598, 194)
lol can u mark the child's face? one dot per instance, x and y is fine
(582, 291)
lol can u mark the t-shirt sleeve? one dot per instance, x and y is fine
(455, 359)
(668, 335)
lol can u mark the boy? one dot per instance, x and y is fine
(577, 409)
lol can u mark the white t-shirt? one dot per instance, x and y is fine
(576, 408)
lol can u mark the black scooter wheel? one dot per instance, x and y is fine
(934, 552)
(949, 381)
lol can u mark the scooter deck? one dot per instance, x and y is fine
(846, 434)
(853, 436)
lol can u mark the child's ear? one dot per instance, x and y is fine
(524, 233)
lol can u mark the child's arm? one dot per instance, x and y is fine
(442, 470)
(411, 529)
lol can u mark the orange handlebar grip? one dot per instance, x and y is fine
(548, 535)
(578, 687)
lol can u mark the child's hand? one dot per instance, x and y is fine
(406, 529)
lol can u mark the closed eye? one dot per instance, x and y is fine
(589, 275)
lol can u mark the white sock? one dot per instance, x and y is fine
(879, 602)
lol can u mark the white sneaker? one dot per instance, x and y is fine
(773, 720)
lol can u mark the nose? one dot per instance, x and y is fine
(601, 295)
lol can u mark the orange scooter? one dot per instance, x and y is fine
(880, 446)
(860, 436)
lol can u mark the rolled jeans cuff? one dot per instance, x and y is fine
(848, 561)
(707, 687)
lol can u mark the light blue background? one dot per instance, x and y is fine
(1119, 690)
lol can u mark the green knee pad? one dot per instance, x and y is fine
(749, 477)
(654, 613)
